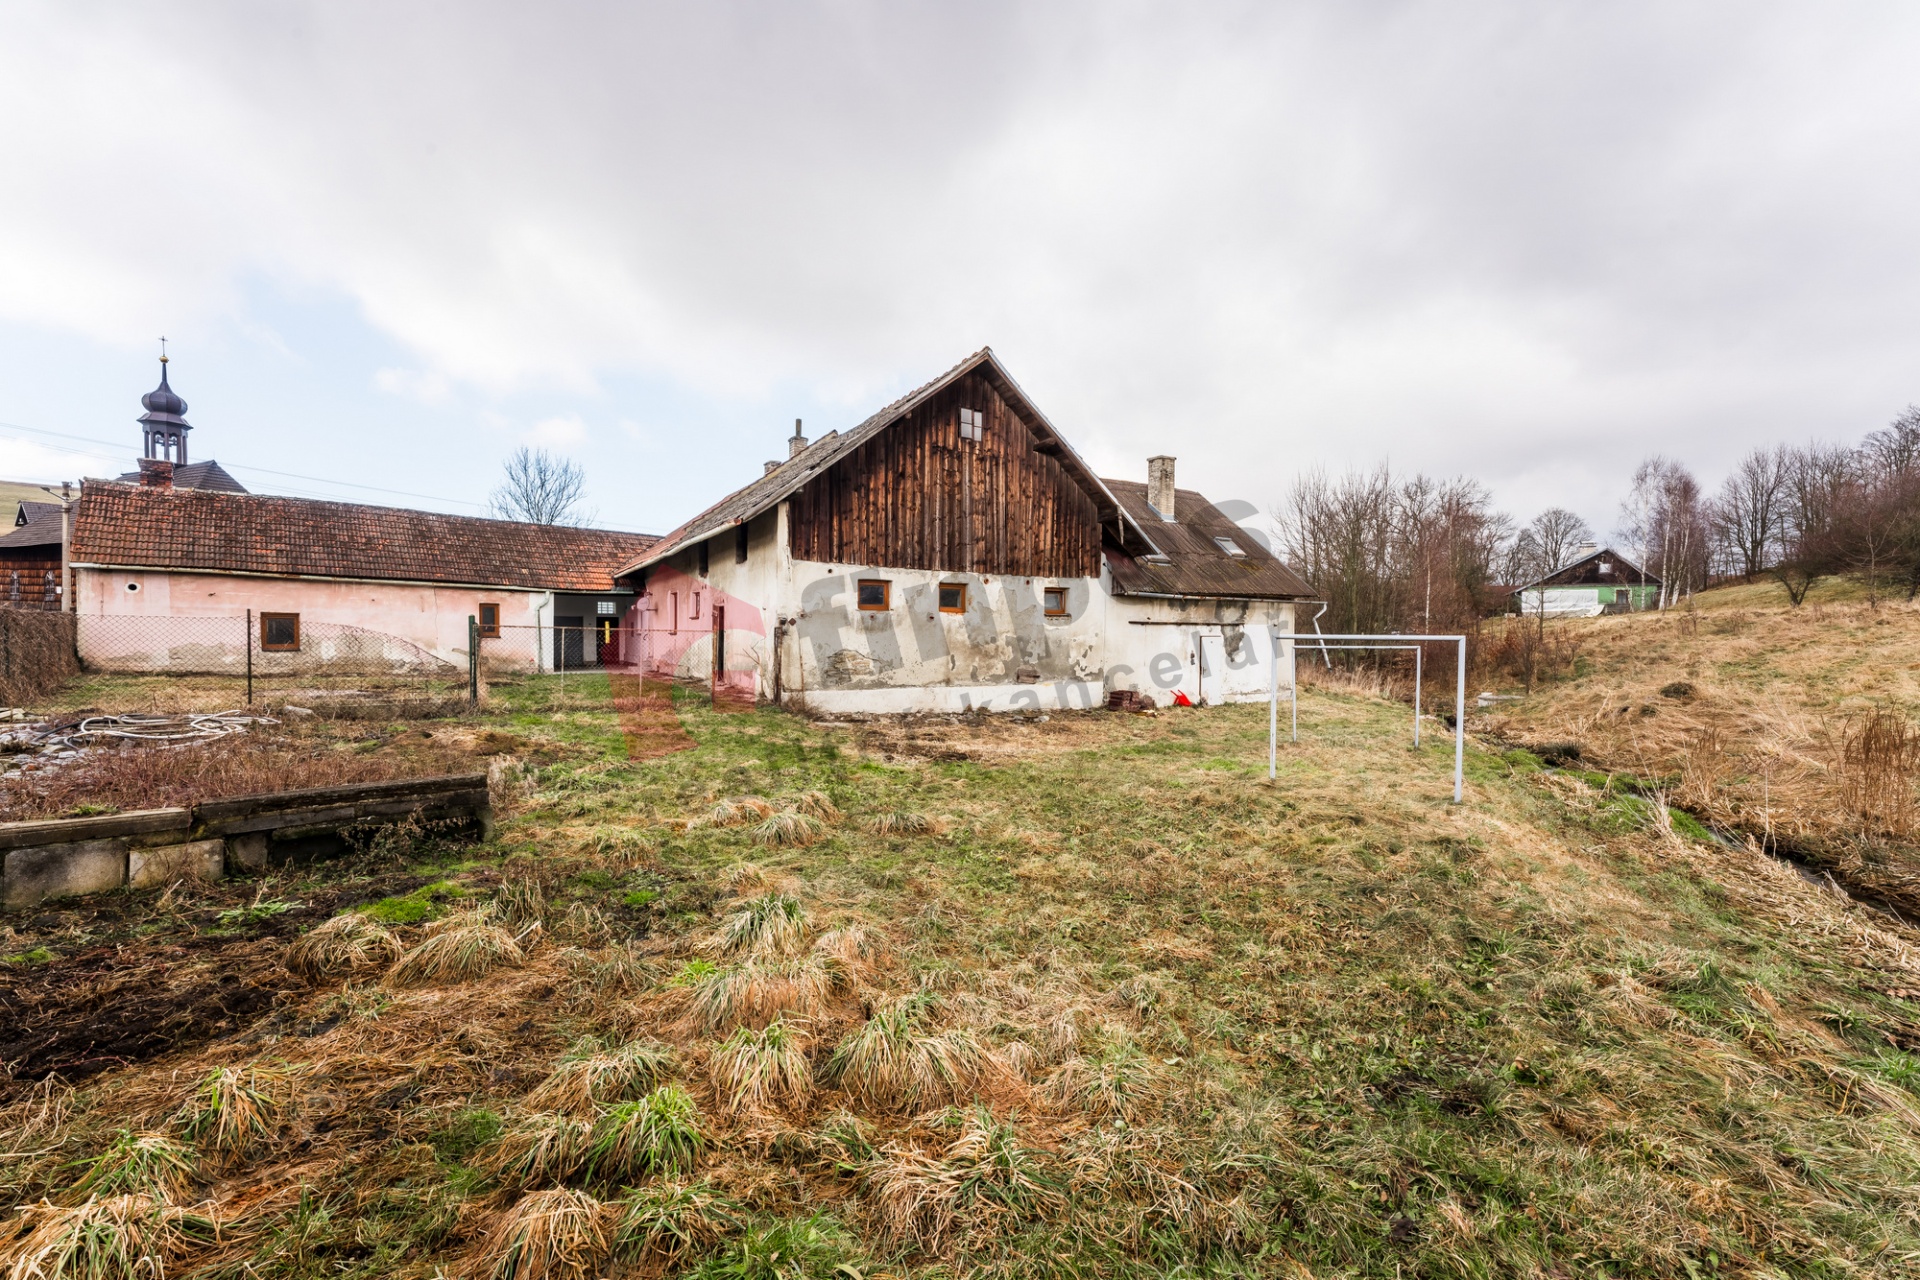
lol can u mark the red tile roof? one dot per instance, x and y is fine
(207, 529)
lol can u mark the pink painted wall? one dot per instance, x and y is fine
(166, 611)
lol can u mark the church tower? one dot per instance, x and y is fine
(163, 459)
(164, 421)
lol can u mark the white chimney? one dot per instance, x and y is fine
(1160, 485)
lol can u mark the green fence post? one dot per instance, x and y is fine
(473, 660)
(248, 638)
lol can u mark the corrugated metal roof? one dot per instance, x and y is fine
(762, 494)
(1191, 561)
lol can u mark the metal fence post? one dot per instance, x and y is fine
(248, 640)
(473, 660)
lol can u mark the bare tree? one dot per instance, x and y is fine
(541, 488)
(1664, 519)
(1746, 517)
(1559, 533)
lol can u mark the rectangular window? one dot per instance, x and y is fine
(607, 609)
(703, 557)
(973, 424)
(1055, 599)
(280, 632)
(953, 597)
(490, 620)
(675, 626)
(740, 544)
(693, 608)
(875, 594)
(1229, 546)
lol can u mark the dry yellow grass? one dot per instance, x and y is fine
(1795, 725)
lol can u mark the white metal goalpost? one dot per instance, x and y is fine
(1349, 641)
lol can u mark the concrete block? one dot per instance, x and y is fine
(198, 860)
(60, 870)
(248, 852)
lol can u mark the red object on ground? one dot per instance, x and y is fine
(1181, 699)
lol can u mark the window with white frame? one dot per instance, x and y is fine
(973, 425)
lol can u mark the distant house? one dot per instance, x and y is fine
(1599, 581)
(30, 558)
(954, 552)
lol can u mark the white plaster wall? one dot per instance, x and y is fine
(1002, 653)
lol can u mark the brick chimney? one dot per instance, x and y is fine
(796, 442)
(156, 473)
(1160, 485)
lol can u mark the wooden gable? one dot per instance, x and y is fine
(920, 496)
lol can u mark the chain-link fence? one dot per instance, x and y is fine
(639, 672)
(254, 658)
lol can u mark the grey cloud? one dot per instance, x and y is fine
(1528, 241)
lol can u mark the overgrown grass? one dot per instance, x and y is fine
(1137, 1013)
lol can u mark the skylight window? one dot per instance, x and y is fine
(1229, 546)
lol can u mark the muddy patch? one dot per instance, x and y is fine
(112, 989)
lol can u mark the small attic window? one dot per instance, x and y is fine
(1229, 546)
(973, 425)
(1606, 568)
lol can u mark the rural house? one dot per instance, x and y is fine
(1599, 580)
(953, 552)
(149, 560)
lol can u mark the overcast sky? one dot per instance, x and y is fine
(391, 242)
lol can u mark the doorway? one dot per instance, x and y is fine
(569, 643)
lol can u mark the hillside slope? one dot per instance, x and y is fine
(1083, 997)
(1792, 725)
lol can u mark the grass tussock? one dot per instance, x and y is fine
(854, 948)
(1119, 1083)
(815, 804)
(667, 1224)
(770, 924)
(757, 992)
(343, 944)
(620, 970)
(233, 1109)
(147, 1164)
(458, 953)
(789, 829)
(547, 1235)
(736, 811)
(539, 1147)
(986, 1175)
(519, 903)
(102, 1238)
(894, 1061)
(753, 1070)
(904, 822)
(592, 1076)
(658, 1134)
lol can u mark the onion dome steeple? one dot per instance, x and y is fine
(164, 421)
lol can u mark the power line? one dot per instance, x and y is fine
(241, 466)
